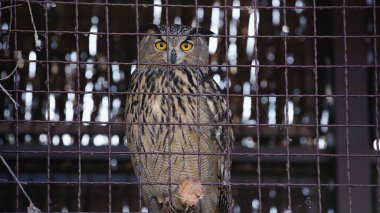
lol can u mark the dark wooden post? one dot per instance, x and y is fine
(357, 108)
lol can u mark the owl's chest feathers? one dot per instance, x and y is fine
(169, 94)
(176, 80)
(163, 97)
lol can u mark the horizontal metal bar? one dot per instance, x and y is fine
(42, 61)
(145, 5)
(134, 34)
(196, 94)
(274, 154)
(234, 184)
(7, 126)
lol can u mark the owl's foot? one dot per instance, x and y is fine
(189, 192)
(185, 197)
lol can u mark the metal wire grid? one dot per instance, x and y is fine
(240, 155)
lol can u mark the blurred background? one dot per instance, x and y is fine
(301, 77)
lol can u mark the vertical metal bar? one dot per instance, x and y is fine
(16, 86)
(79, 193)
(315, 69)
(198, 98)
(109, 110)
(375, 69)
(286, 110)
(257, 67)
(228, 157)
(48, 117)
(139, 145)
(168, 93)
(346, 106)
(48, 108)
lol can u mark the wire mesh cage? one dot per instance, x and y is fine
(300, 78)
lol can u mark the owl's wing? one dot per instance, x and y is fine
(215, 110)
(214, 119)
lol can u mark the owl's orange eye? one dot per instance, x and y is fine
(186, 46)
(161, 45)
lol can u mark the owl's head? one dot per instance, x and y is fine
(179, 47)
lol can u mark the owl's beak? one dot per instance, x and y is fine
(173, 57)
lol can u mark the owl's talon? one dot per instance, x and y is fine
(189, 192)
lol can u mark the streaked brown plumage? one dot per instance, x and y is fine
(175, 101)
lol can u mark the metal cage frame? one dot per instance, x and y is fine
(340, 69)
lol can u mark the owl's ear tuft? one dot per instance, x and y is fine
(146, 28)
(201, 31)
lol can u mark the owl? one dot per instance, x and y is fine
(177, 121)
